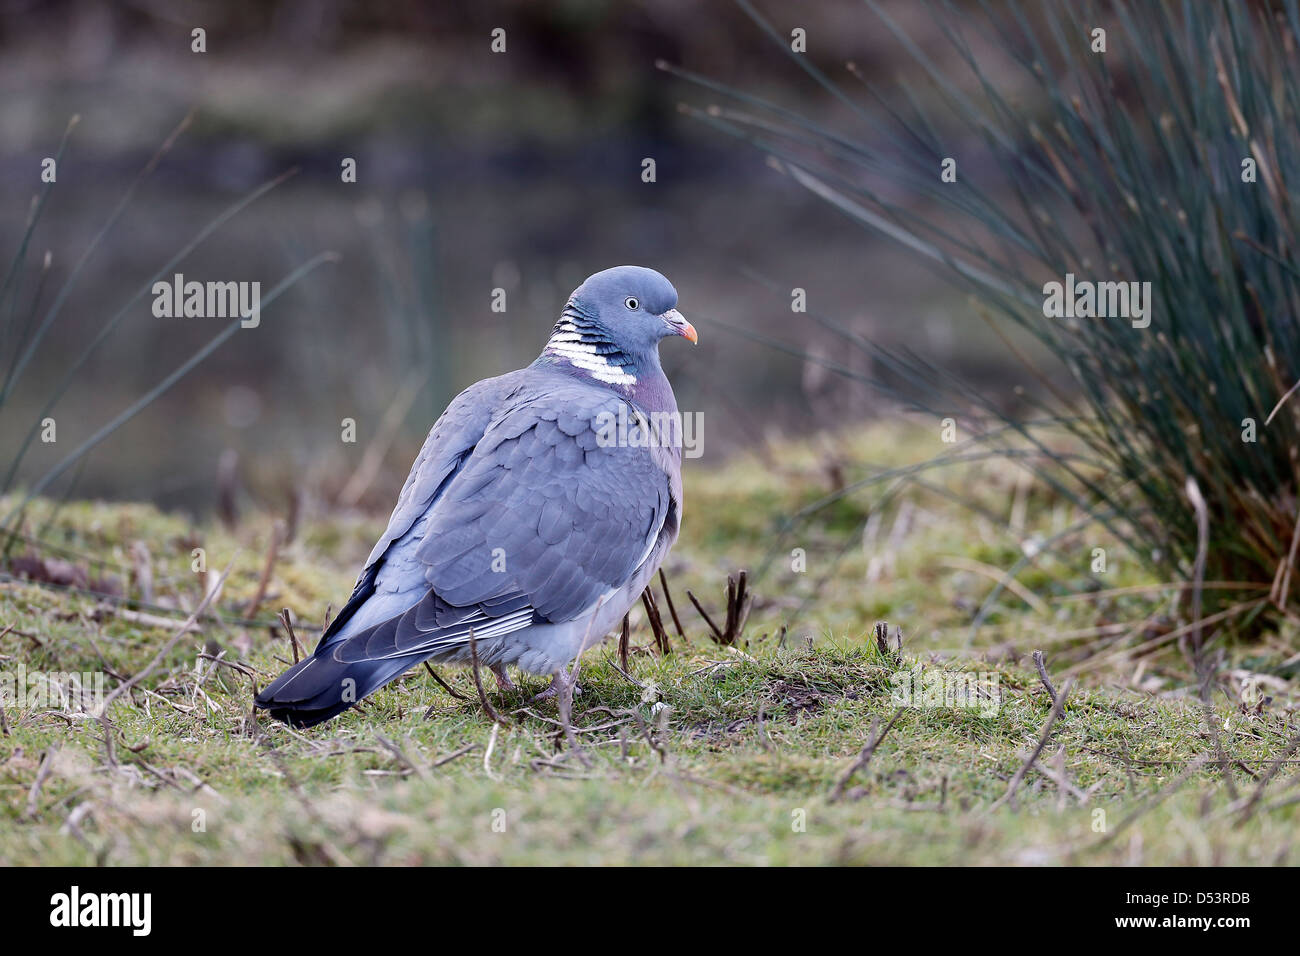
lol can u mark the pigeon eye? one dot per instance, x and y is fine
(632, 303)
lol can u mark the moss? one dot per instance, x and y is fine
(722, 755)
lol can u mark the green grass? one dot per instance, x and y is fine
(1122, 164)
(717, 756)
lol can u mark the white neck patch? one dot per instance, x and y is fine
(566, 343)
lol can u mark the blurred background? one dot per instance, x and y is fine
(475, 171)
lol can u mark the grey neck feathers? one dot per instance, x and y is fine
(580, 341)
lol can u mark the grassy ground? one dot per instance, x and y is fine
(708, 754)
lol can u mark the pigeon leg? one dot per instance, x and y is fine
(504, 683)
(564, 699)
(550, 690)
(554, 688)
(565, 684)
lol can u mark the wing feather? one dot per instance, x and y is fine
(537, 521)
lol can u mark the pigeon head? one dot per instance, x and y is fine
(612, 325)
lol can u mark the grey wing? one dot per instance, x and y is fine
(539, 524)
(542, 509)
(450, 440)
(381, 586)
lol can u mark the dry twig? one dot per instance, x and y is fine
(1058, 705)
(34, 794)
(656, 622)
(1041, 663)
(277, 538)
(739, 602)
(881, 634)
(444, 685)
(185, 628)
(478, 682)
(672, 608)
(1201, 662)
(287, 621)
(401, 756)
(1251, 804)
(864, 758)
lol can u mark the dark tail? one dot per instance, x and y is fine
(319, 687)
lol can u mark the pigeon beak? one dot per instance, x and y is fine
(680, 326)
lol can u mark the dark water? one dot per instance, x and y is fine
(470, 178)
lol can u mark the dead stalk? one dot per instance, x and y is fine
(287, 621)
(443, 684)
(1201, 662)
(864, 758)
(672, 608)
(739, 602)
(34, 794)
(263, 582)
(717, 634)
(656, 622)
(1040, 662)
(1057, 706)
(478, 682)
(185, 628)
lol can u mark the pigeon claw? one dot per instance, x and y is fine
(557, 684)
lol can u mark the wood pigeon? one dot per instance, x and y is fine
(541, 504)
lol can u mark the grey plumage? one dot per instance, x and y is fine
(520, 519)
